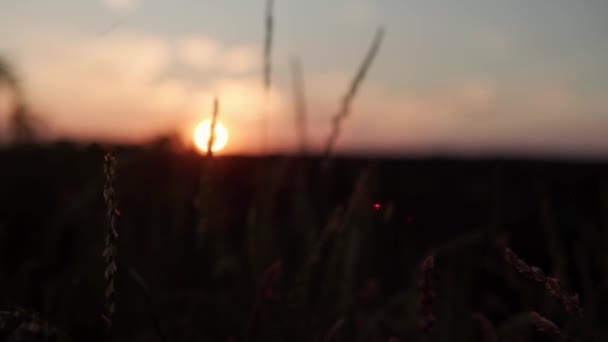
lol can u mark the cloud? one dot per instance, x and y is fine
(121, 86)
(120, 5)
(128, 86)
(198, 53)
(469, 116)
(205, 54)
(98, 86)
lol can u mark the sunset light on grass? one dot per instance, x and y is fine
(202, 132)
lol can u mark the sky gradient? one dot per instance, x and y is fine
(466, 77)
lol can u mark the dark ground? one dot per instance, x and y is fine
(179, 283)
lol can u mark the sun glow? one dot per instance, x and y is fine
(202, 132)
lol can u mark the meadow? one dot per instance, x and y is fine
(284, 248)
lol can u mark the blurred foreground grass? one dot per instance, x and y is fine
(295, 252)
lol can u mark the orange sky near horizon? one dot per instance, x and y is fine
(456, 78)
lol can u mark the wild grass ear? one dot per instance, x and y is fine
(111, 250)
(552, 285)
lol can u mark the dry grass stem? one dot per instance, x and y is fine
(268, 294)
(344, 111)
(299, 104)
(211, 141)
(269, 28)
(267, 82)
(204, 193)
(111, 250)
(355, 200)
(426, 295)
(547, 327)
(488, 332)
(332, 334)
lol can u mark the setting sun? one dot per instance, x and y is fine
(202, 132)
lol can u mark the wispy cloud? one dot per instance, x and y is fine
(470, 116)
(131, 85)
(120, 5)
(121, 85)
(205, 54)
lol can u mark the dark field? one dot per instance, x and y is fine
(283, 249)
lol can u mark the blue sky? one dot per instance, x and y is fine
(470, 76)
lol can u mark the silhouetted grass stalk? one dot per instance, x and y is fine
(487, 329)
(268, 293)
(551, 231)
(313, 275)
(151, 311)
(547, 327)
(299, 105)
(332, 333)
(211, 140)
(111, 249)
(204, 195)
(345, 108)
(552, 285)
(267, 82)
(426, 295)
